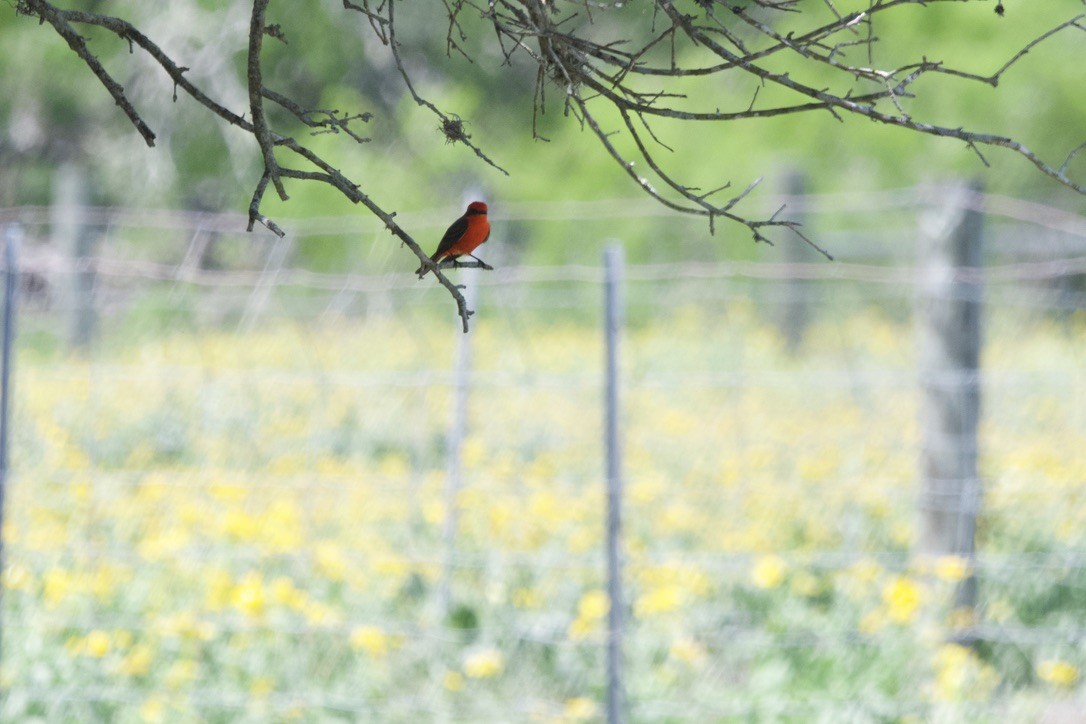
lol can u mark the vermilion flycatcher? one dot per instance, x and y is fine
(463, 237)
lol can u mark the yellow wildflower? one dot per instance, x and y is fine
(248, 595)
(97, 644)
(284, 593)
(1057, 672)
(261, 686)
(580, 708)
(591, 610)
(688, 651)
(320, 614)
(473, 452)
(526, 598)
(137, 662)
(580, 628)
(769, 571)
(951, 670)
(952, 569)
(865, 570)
(593, 605)
(370, 639)
(228, 492)
(484, 663)
(220, 588)
(659, 599)
(281, 527)
(153, 710)
(583, 539)
(181, 673)
(902, 598)
(57, 586)
(433, 511)
(902, 534)
(806, 584)
(453, 681)
(122, 639)
(331, 561)
(239, 525)
(646, 491)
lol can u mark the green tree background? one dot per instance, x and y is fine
(53, 110)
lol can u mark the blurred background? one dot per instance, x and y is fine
(262, 479)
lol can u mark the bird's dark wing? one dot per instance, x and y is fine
(457, 230)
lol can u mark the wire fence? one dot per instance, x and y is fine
(229, 491)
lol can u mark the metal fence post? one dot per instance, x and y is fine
(950, 341)
(11, 281)
(457, 428)
(72, 234)
(796, 291)
(613, 261)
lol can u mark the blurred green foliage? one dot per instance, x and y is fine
(53, 109)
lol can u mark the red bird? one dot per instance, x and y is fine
(463, 237)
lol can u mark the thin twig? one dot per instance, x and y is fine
(59, 20)
(452, 126)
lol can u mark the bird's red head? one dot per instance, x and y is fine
(477, 207)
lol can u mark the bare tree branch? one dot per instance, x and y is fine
(256, 96)
(605, 66)
(130, 33)
(320, 119)
(59, 21)
(254, 208)
(831, 101)
(452, 126)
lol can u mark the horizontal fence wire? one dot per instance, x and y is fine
(229, 503)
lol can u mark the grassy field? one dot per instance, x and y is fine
(222, 526)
